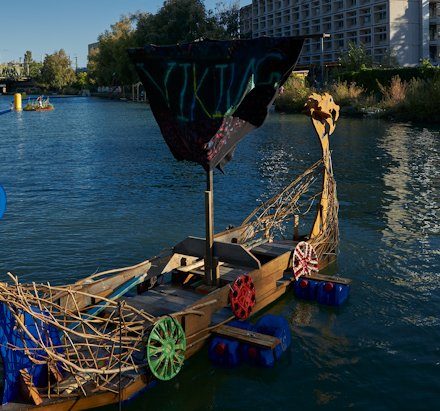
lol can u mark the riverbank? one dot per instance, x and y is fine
(414, 100)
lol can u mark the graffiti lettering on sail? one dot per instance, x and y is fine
(192, 91)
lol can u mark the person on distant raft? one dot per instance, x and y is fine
(40, 101)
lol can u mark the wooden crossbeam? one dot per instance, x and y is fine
(321, 277)
(246, 336)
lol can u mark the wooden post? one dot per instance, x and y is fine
(209, 221)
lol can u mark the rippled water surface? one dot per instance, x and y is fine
(92, 186)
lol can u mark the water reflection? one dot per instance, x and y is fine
(410, 206)
(93, 185)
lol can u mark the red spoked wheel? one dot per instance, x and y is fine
(242, 296)
(305, 260)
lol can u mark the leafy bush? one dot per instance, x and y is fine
(394, 95)
(421, 101)
(294, 97)
(345, 93)
(368, 78)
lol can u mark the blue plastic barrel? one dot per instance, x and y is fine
(273, 325)
(334, 294)
(306, 289)
(224, 352)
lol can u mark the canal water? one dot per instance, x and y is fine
(92, 186)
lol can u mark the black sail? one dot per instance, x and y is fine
(207, 95)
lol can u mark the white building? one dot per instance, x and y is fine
(408, 29)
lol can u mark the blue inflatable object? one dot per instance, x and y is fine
(330, 293)
(2, 201)
(306, 289)
(14, 361)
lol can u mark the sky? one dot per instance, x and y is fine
(49, 25)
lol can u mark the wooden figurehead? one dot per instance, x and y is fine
(324, 113)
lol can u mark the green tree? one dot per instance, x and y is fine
(227, 19)
(109, 64)
(82, 80)
(177, 21)
(355, 57)
(57, 72)
(35, 69)
(27, 62)
(389, 59)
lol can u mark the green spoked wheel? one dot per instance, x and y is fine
(166, 348)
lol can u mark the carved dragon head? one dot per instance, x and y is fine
(324, 113)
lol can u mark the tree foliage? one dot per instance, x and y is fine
(355, 58)
(109, 64)
(35, 69)
(27, 62)
(177, 21)
(228, 20)
(56, 72)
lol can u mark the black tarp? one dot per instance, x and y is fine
(207, 95)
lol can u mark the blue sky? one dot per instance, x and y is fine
(44, 26)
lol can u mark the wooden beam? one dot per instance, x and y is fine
(29, 388)
(246, 336)
(329, 278)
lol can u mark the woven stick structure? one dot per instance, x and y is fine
(270, 218)
(75, 342)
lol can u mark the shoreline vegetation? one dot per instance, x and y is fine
(409, 94)
(361, 86)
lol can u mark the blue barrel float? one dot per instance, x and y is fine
(224, 351)
(325, 291)
(228, 352)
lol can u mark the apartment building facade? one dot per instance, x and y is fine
(407, 29)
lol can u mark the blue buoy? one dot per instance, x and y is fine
(2, 201)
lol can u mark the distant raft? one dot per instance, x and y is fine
(33, 107)
(39, 105)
